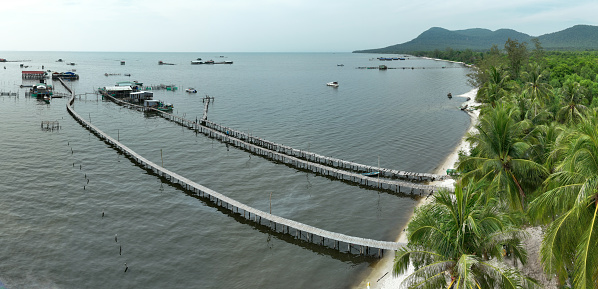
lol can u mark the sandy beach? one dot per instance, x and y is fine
(381, 276)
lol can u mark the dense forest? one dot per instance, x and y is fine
(576, 38)
(533, 162)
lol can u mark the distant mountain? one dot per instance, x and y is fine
(579, 37)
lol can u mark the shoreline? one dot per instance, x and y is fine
(381, 275)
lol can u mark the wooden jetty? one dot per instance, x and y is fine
(34, 74)
(337, 241)
(384, 67)
(161, 86)
(228, 137)
(206, 100)
(50, 125)
(305, 155)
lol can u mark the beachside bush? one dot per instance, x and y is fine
(457, 241)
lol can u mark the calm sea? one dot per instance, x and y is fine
(55, 185)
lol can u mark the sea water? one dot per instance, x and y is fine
(65, 194)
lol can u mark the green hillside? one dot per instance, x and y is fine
(580, 37)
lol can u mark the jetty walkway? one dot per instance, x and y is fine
(320, 165)
(337, 241)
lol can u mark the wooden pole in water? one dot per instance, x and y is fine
(270, 203)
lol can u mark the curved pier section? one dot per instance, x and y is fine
(354, 245)
(323, 166)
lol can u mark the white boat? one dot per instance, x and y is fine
(333, 84)
(191, 90)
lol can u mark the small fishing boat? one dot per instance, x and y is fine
(191, 90)
(333, 84)
(371, 174)
(164, 106)
(449, 95)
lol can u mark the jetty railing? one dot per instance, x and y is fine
(354, 245)
(278, 154)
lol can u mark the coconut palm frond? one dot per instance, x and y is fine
(432, 275)
(587, 254)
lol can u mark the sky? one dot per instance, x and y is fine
(266, 25)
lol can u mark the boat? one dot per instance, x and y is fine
(164, 106)
(371, 174)
(449, 95)
(333, 84)
(340, 65)
(191, 90)
(157, 104)
(65, 75)
(59, 60)
(196, 61)
(122, 62)
(127, 74)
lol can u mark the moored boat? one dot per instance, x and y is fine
(165, 106)
(332, 83)
(191, 90)
(371, 174)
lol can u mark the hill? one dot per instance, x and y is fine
(579, 37)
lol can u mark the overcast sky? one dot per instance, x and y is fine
(266, 25)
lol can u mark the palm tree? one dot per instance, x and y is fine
(499, 157)
(542, 140)
(570, 204)
(573, 110)
(456, 242)
(535, 86)
(496, 86)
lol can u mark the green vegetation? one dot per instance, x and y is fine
(579, 37)
(533, 161)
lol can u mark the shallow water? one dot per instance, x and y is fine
(56, 184)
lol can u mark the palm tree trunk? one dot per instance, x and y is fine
(521, 193)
